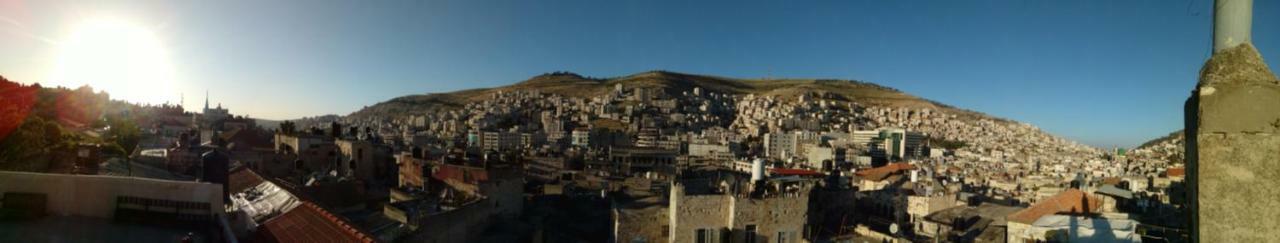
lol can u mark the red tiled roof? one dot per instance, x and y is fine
(1069, 201)
(882, 172)
(309, 223)
(797, 172)
(1176, 172)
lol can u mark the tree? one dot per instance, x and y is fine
(29, 146)
(124, 133)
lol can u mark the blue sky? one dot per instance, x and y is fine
(1105, 73)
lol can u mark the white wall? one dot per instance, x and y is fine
(95, 196)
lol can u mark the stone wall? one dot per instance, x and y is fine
(1233, 149)
(649, 224)
(728, 214)
(771, 216)
(920, 206)
(693, 212)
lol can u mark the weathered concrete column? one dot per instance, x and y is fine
(1233, 138)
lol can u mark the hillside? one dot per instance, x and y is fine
(1173, 137)
(673, 83)
(1167, 149)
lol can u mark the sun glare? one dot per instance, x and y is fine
(120, 57)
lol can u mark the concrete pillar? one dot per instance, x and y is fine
(1232, 23)
(1233, 138)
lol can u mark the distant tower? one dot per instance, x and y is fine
(206, 100)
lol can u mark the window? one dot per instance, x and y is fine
(706, 236)
(750, 234)
(666, 231)
(782, 237)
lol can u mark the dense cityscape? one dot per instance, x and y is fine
(642, 161)
(655, 156)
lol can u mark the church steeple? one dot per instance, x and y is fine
(206, 100)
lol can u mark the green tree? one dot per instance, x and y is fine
(29, 146)
(123, 132)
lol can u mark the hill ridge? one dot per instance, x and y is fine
(571, 84)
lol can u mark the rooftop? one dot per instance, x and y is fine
(1070, 201)
(309, 223)
(795, 172)
(89, 229)
(1176, 172)
(882, 172)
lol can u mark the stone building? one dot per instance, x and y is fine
(356, 158)
(459, 204)
(717, 210)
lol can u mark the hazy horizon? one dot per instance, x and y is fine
(1099, 72)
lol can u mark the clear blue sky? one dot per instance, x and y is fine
(1102, 72)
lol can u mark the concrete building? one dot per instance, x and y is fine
(903, 144)
(712, 151)
(356, 159)
(864, 137)
(298, 142)
(581, 137)
(779, 145)
(822, 157)
(501, 141)
(638, 160)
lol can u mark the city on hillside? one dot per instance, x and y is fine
(650, 156)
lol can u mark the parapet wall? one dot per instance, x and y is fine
(95, 196)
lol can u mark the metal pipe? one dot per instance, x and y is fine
(1232, 23)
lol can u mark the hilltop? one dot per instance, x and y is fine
(673, 83)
